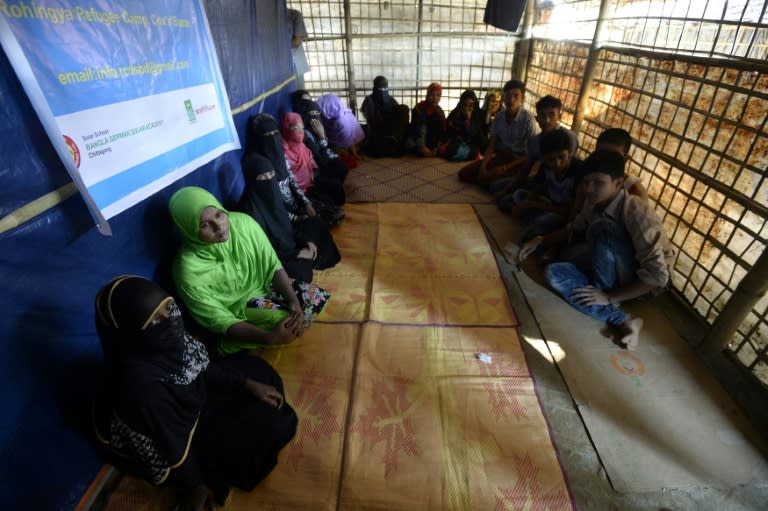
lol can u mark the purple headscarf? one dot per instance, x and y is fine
(341, 126)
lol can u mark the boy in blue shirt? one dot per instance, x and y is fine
(544, 202)
(548, 115)
(506, 152)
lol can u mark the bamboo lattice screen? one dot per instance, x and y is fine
(689, 81)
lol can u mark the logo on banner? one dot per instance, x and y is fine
(190, 111)
(74, 151)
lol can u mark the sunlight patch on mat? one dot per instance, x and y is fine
(550, 351)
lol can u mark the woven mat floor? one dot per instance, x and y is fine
(397, 408)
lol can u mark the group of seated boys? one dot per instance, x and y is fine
(589, 222)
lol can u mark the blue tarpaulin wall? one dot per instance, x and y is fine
(53, 265)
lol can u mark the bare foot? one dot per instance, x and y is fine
(630, 333)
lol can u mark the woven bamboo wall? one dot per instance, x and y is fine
(556, 68)
(688, 81)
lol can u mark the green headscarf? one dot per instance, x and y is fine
(217, 280)
(185, 206)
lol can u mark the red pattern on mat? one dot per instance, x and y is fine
(387, 421)
(502, 396)
(317, 417)
(527, 490)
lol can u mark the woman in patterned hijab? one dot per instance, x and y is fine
(171, 416)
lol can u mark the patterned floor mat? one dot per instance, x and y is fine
(410, 179)
(399, 411)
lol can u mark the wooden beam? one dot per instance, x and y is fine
(37, 207)
(523, 48)
(352, 91)
(589, 69)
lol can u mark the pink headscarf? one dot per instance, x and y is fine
(340, 123)
(298, 155)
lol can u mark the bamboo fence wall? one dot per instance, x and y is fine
(688, 80)
(412, 43)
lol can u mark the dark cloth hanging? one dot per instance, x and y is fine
(170, 416)
(504, 14)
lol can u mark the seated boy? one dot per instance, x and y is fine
(506, 152)
(544, 202)
(619, 140)
(548, 114)
(630, 254)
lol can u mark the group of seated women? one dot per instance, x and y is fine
(171, 413)
(174, 413)
(463, 136)
(331, 129)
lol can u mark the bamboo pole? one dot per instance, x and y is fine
(589, 70)
(36, 207)
(750, 290)
(350, 68)
(523, 50)
(418, 44)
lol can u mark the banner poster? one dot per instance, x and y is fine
(130, 92)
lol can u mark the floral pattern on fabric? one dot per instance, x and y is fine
(311, 296)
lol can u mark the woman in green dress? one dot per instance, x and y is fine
(230, 279)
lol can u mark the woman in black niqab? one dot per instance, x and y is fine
(272, 197)
(387, 121)
(261, 199)
(168, 414)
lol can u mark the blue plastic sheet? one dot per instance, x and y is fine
(53, 265)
